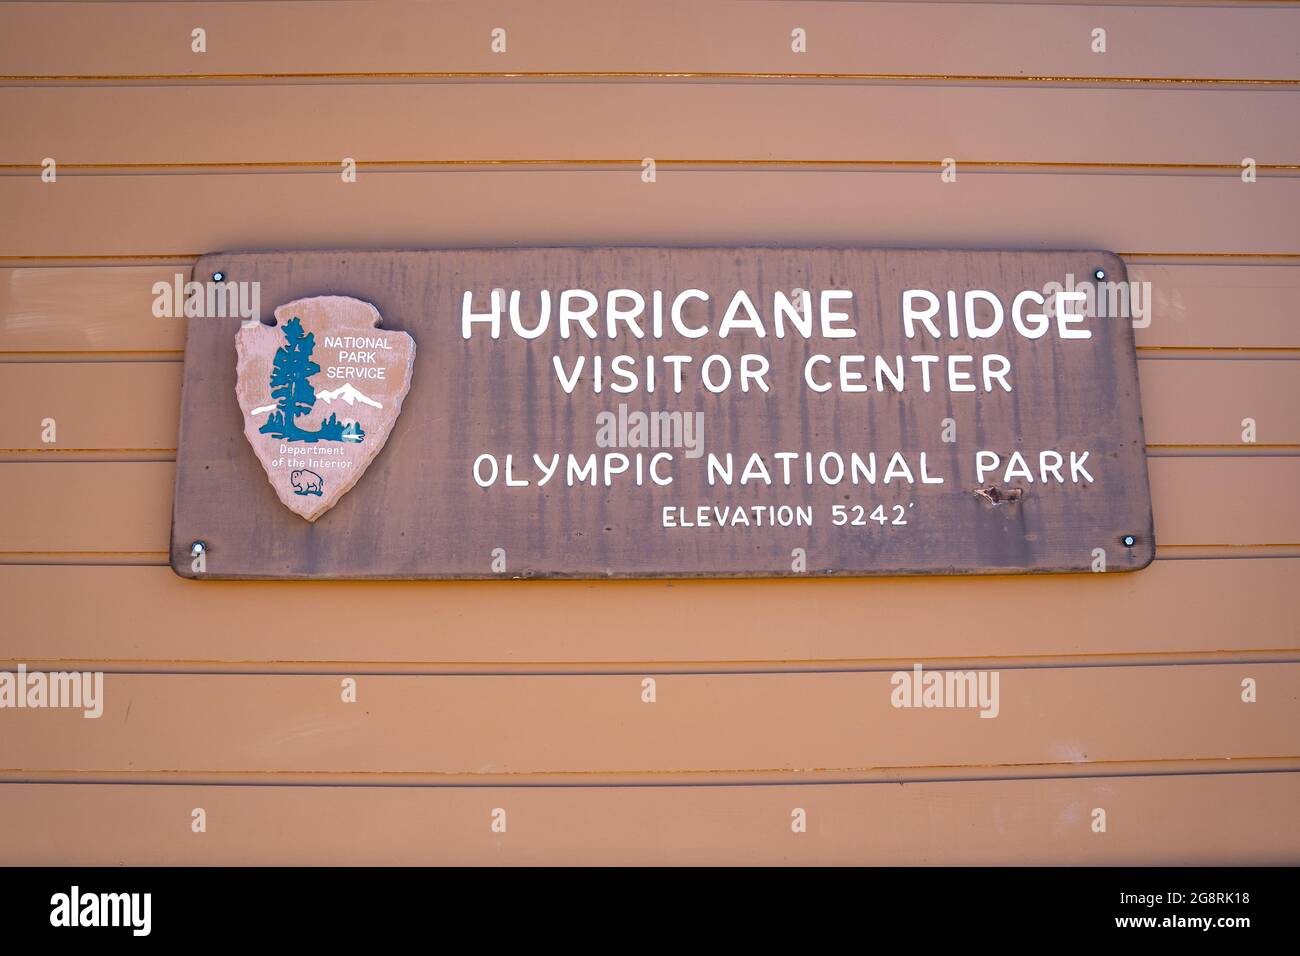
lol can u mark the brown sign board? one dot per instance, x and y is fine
(658, 412)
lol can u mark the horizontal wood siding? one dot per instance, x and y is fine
(1229, 606)
(949, 39)
(123, 214)
(529, 725)
(1241, 818)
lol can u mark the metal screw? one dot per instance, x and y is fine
(218, 276)
(1100, 274)
(197, 548)
(1128, 540)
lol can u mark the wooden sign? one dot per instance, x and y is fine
(661, 412)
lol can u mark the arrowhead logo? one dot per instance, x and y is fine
(320, 391)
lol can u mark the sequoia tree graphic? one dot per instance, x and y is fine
(294, 396)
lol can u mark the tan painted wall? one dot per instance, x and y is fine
(1117, 692)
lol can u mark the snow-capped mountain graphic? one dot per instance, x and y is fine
(344, 393)
(347, 393)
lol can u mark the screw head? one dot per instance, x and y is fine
(218, 276)
(1128, 540)
(1099, 274)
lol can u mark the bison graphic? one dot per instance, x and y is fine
(306, 482)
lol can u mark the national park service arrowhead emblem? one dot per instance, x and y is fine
(320, 391)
